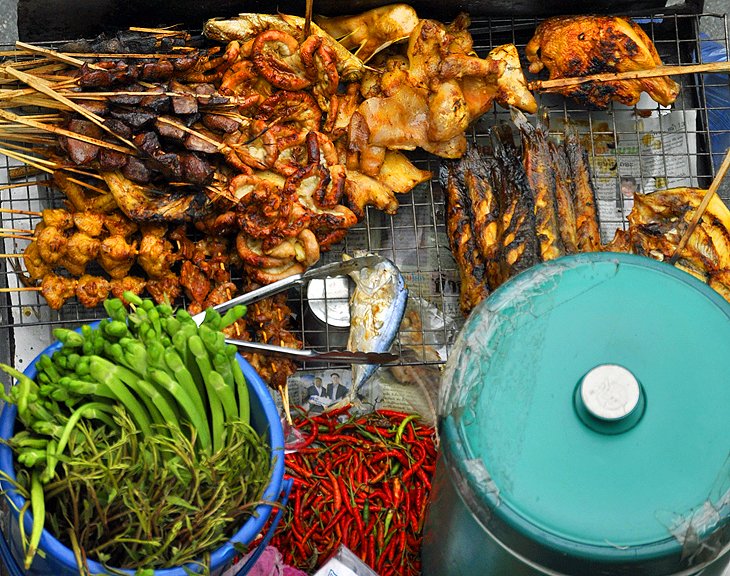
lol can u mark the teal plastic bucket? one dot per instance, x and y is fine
(59, 560)
(585, 428)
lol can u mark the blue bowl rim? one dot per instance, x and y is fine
(220, 556)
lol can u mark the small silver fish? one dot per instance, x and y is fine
(377, 306)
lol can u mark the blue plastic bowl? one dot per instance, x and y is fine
(59, 560)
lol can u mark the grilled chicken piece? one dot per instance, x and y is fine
(520, 246)
(469, 261)
(586, 219)
(35, 265)
(80, 250)
(57, 289)
(145, 205)
(127, 284)
(564, 198)
(52, 244)
(90, 223)
(166, 288)
(58, 218)
(541, 176)
(486, 221)
(91, 291)
(571, 46)
(155, 255)
(195, 282)
(117, 256)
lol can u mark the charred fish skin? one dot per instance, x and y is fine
(477, 169)
(472, 272)
(564, 199)
(584, 196)
(541, 177)
(520, 245)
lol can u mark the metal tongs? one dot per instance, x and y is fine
(326, 271)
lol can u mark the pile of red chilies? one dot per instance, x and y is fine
(363, 482)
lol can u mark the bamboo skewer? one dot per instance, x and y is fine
(21, 289)
(308, 20)
(550, 85)
(11, 255)
(63, 132)
(34, 82)
(52, 54)
(14, 211)
(16, 237)
(17, 230)
(701, 208)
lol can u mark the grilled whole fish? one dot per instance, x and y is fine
(476, 169)
(584, 196)
(463, 246)
(520, 246)
(541, 177)
(564, 199)
(659, 220)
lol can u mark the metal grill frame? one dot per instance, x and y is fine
(415, 238)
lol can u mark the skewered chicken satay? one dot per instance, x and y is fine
(133, 284)
(165, 288)
(90, 223)
(91, 291)
(36, 266)
(52, 245)
(118, 224)
(155, 255)
(57, 289)
(195, 283)
(117, 256)
(58, 218)
(80, 250)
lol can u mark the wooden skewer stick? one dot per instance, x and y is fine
(285, 402)
(11, 255)
(34, 82)
(17, 231)
(548, 85)
(22, 212)
(22, 289)
(701, 208)
(63, 132)
(14, 211)
(16, 236)
(308, 23)
(54, 55)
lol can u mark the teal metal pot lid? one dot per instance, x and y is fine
(588, 399)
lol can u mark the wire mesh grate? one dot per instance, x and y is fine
(658, 147)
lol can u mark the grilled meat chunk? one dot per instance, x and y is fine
(583, 45)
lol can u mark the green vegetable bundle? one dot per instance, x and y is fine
(136, 444)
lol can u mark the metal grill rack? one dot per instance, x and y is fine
(415, 238)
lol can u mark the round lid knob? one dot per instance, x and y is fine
(610, 392)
